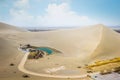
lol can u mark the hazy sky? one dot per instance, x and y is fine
(53, 13)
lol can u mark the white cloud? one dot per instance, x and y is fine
(56, 15)
(61, 15)
(19, 15)
(21, 18)
(22, 4)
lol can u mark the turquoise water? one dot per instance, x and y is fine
(47, 50)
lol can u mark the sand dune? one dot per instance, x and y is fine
(82, 44)
(109, 45)
(78, 42)
(9, 28)
(9, 53)
(88, 42)
(78, 47)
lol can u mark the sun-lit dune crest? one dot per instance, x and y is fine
(9, 28)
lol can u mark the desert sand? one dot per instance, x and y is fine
(78, 46)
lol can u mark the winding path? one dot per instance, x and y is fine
(22, 68)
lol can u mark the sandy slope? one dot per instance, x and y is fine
(22, 68)
(77, 45)
(82, 43)
(72, 42)
(9, 54)
(9, 28)
(109, 46)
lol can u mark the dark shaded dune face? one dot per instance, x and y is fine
(9, 28)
